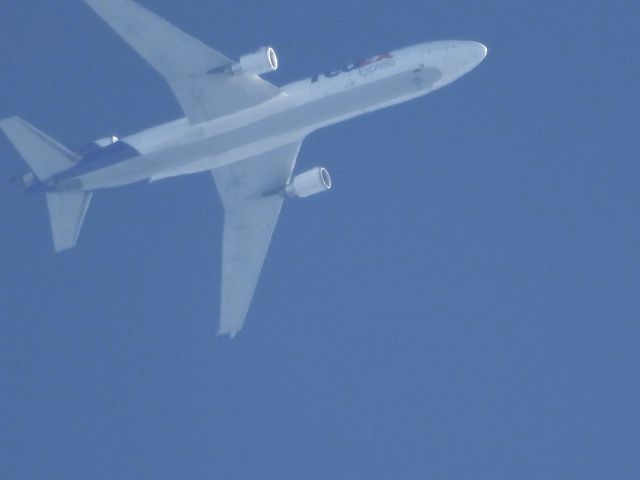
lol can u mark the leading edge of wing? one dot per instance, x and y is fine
(165, 47)
(185, 62)
(251, 214)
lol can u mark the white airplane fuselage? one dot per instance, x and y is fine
(180, 148)
(238, 126)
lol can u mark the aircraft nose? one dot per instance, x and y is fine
(453, 58)
(465, 55)
(460, 55)
(475, 52)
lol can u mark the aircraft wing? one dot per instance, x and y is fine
(250, 193)
(187, 64)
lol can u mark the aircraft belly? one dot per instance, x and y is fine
(264, 135)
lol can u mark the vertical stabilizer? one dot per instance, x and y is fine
(66, 213)
(45, 156)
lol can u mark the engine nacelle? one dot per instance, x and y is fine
(309, 183)
(264, 60)
(105, 142)
(27, 180)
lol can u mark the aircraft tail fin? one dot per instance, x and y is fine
(45, 156)
(67, 211)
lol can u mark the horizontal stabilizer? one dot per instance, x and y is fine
(45, 156)
(66, 212)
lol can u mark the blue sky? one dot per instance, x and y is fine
(463, 304)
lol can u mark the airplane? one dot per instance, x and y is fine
(242, 129)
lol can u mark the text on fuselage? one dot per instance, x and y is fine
(365, 67)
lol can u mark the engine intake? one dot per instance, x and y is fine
(309, 183)
(264, 60)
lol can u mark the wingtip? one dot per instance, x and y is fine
(231, 334)
(8, 120)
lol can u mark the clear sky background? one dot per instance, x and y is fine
(464, 304)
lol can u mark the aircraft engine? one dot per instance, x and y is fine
(309, 183)
(264, 60)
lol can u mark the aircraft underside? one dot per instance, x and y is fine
(255, 139)
(244, 130)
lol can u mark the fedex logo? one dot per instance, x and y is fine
(365, 67)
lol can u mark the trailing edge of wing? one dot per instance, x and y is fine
(185, 62)
(251, 213)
